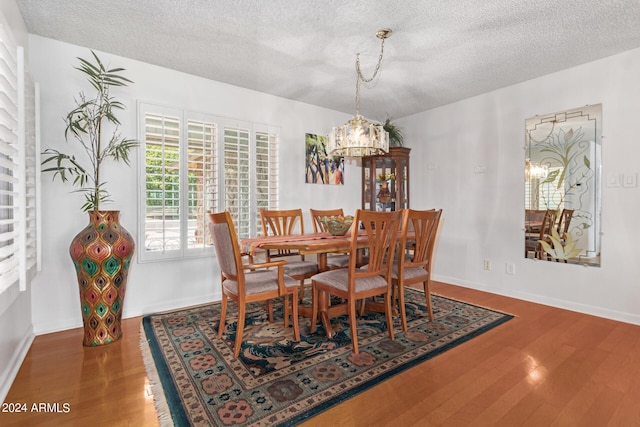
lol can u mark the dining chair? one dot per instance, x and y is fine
(334, 260)
(286, 222)
(532, 243)
(414, 261)
(245, 283)
(564, 221)
(380, 230)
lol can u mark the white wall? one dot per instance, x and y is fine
(483, 213)
(157, 285)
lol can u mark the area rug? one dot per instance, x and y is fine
(276, 381)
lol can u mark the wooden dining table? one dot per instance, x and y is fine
(319, 244)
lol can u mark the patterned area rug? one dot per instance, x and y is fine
(277, 381)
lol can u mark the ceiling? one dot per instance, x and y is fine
(439, 52)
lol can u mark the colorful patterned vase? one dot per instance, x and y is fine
(102, 254)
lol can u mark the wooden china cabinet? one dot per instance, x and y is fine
(384, 195)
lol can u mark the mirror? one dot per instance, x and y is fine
(562, 186)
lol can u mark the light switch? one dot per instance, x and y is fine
(630, 180)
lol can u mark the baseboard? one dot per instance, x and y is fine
(619, 316)
(9, 374)
(129, 311)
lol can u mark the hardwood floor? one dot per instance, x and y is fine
(546, 367)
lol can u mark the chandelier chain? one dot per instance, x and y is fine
(360, 77)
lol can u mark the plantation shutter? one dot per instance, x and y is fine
(19, 172)
(9, 163)
(237, 169)
(266, 172)
(162, 183)
(202, 181)
(32, 177)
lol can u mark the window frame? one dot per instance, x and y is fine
(218, 201)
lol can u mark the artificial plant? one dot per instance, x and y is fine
(86, 124)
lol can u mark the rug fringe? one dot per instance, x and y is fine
(160, 402)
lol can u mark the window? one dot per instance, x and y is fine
(18, 167)
(195, 163)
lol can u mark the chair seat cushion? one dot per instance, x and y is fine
(339, 279)
(260, 281)
(338, 261)
(409, 272)
(301, 268)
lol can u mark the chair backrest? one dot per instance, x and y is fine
(318, 214)
(382, 232)
(282, 222)
(564, 221)
(424, 226)
(548, 223)
(225, 242)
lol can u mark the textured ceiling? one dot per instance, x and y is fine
(440, 51)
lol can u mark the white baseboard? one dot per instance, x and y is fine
(76, 322)
(620, 316)
(14, 365)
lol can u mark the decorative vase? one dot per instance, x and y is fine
(102, 254)
(384, 195)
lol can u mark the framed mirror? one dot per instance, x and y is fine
(562, 186)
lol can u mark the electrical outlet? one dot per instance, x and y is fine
(487, 264)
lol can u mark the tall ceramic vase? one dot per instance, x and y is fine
(102, 254)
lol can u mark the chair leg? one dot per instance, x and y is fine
(270, 310)
(223, 315)
(242, 309)
(353, 322)
(427, 295)
(301, 291)
(285, 310)
(387, 312)
(314, 307)
(294, 309)
(403, 309)
(363, 302)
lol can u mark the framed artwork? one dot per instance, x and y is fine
(320, 167)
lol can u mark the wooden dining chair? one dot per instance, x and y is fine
(286, 222)
(564, 221)
(334, 260)
(245, 283)
(532, 243)
(353, 283)
(414, 261)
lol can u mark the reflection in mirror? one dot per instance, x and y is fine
(562, 186)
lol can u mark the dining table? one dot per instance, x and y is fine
(319, 244)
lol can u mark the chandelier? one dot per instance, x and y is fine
(359, 137)
(535, 171)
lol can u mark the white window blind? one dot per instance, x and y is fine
(18, 167)
(237, 178)
(187, 173)
(267, 173)
(201, 171)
